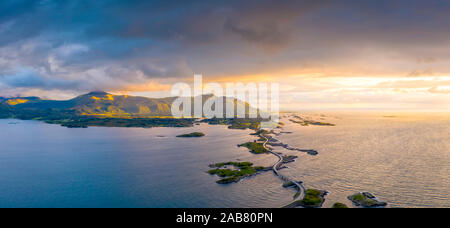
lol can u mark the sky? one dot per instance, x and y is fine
(328, 54)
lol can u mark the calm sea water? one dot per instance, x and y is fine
(403, 160)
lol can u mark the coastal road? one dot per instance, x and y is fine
(278, 164)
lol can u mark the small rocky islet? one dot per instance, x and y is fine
(366, 199)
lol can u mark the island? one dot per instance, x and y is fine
(192, 135)
(102, 109)
(339, 205)
(309, 122)
(275, 142)
(289, 159)
(366, 199)
(305, 122)
(255, 147)
(232, 172)
(313, 199)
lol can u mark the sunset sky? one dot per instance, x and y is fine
(341, 54)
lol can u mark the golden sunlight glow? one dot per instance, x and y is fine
(16, 101)
(317, 91)
(108, 97)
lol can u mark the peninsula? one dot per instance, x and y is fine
(103, 109)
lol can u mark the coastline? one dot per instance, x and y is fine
(329, 139)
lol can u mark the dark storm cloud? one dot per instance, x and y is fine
(104, 43)
(25, 78)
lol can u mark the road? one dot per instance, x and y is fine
(278, 164)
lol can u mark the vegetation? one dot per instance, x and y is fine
(238, 171)
(309, 122)
(358, 197)
(71, 119)
(5, 111)
(313, 199)
(366, 199)
(107, 110)
(236, 164)
(192, 135)
(288, 159)
(254, 147)
(244, 125)
(236, 123)
(260, 134)
(339, 205)
(83, 122)
(305, 122)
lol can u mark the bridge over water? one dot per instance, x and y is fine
(278, 165)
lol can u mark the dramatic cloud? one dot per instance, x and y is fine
(118, 45)
(29, 79)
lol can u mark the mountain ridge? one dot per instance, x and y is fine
(100, 104)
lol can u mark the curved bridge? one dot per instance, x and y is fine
(278, 165)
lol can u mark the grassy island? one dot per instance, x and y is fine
(339, 205)
(232, 172)
(192, 135)
(313, 199)
(366, 199)
(254, 147)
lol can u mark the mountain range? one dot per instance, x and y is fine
(93, 104)
(96, 105)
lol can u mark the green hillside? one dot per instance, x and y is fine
(107, 105)
(101, 104)
(103, 109)
(5, 111)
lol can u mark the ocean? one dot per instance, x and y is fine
(403, 159)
